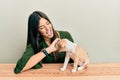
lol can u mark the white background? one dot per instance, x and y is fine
(94, 25)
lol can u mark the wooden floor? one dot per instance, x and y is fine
(95, 71)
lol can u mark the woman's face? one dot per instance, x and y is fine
(45, 28)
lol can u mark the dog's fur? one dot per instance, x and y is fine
(79, 56)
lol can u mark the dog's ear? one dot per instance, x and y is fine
(63, 43)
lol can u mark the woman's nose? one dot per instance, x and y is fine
(47, 27)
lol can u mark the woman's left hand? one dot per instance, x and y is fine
(52, 47)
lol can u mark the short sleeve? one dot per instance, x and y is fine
(24, 59)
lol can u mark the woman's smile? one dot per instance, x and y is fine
(46, 28)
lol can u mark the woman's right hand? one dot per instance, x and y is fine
(52, 47)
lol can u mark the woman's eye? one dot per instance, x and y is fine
(42, 27)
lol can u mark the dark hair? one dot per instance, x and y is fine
(34, 37)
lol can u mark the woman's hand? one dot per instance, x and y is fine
(52, 47)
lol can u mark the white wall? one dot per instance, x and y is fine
(94, 24)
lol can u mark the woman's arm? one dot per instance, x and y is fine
(39, 56)
(35, 59)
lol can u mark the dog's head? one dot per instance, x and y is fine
(61, 43)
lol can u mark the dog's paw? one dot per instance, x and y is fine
(80, 68)
(73, 70)
(62, 69)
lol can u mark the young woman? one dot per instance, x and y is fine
(41, 41)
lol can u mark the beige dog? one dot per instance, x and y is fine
(74, 51)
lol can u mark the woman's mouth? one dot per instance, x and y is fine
(49, 32)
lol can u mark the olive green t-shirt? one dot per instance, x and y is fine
(48, 59)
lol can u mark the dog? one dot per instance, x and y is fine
(74, 51)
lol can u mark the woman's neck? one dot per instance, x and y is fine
(48, 41)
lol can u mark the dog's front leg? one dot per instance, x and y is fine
(67, 58)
